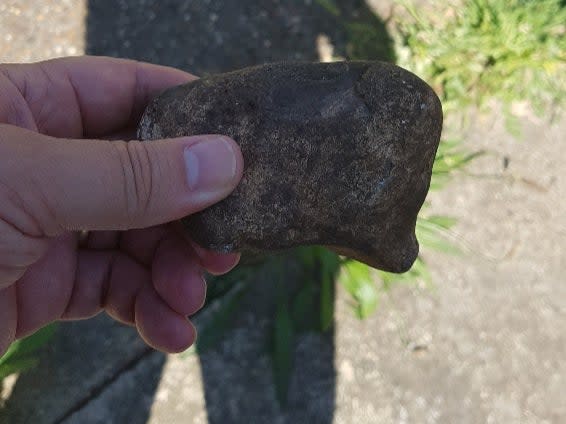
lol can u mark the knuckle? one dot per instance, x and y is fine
(138, 173)
(16, 110)
(18, 249)
(9, 276)
(20, 252)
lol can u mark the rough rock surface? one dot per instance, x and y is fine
(336, 154)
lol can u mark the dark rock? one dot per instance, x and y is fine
(335, 154)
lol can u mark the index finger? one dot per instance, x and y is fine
(89, 96)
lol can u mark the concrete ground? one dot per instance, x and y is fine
(486, 344)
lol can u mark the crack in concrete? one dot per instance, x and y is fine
(99, 389)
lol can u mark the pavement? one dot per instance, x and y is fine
(485, 345)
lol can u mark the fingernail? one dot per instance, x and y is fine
(211, 164)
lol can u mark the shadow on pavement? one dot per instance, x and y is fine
(94, 371)
(217, 36)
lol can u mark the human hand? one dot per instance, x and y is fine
(59, 175)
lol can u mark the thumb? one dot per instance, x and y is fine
(116, 185)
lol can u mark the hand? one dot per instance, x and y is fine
(60, 174)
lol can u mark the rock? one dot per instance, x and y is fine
(336, 154)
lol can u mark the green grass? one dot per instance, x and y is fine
(22, 355)
(505, 50)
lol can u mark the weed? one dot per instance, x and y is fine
(507, 50)
(21, 356)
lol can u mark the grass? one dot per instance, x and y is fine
(22, 355)
(508, 50)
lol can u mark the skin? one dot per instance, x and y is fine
(66, 168)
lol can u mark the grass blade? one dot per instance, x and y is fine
(282, 350)
(20, 355)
